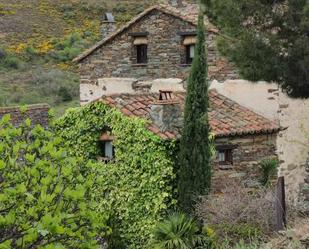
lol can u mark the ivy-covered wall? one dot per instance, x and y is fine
(138, 185)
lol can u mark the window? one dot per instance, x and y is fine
(190, 53)
(141, 54)
(225, 156)
(106, 147)
(107, 150)
(189, 42)
(140, 49)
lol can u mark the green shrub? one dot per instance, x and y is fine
(65, 55)
(235, 232)
(12, 62)
(138, 182)
(242, 245)
(30, 52)
(67, 10)
(179, 231)
(67, 49)
(269, 170)
(64, 94)
(48, 199)
(3, 54)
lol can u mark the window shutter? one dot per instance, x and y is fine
(109, 149)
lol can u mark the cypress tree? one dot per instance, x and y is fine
(194, 174)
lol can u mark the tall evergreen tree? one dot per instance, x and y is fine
(195, 149)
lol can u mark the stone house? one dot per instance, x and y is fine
(242, 137)
(153, 52)
(292, 114)
(38, 114)
(157, 44)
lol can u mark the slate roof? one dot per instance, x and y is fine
(188, 13)
(227, 118)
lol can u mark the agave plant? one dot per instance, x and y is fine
(269, 169)
(178, 231)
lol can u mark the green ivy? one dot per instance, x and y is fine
(138, 184)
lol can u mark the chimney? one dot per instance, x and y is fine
(175, 3)
(166, 112)
(108, 25)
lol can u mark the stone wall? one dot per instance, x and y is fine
(292, 141)
(293, 146)
(110, 86)
(38, 114)
(304, 197)
(165, 53)
(167, 116)
(247, 153)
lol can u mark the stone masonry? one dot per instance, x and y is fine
(304, 193)
(38, 114)
(248, 151)
(292, 114)
(165, 53)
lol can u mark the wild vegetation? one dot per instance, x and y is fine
(238, 214)
(48, 199)
(179, 231)
(39, 38)
(55, 192)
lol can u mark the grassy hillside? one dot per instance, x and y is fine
(39, 38)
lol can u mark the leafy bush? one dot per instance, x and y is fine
(68, 10)
(179, 231)
(68, 48)
(64, 94)
(12, 62)
(67, 54)
(239, 214)
(3, 54)
(138, 182)
(48, 199)
(30, 53)
(269, 170)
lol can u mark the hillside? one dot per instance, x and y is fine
(39, 38)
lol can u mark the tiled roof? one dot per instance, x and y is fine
(189, 13)
(37, 113)
(226, 117)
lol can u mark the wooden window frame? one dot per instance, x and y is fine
(103, 150)
(228, 156)
(188, 58)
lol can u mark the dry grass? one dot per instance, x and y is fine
(296, 237)
(239, 214)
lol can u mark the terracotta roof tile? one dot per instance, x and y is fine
(226, 117)
(126, 111)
